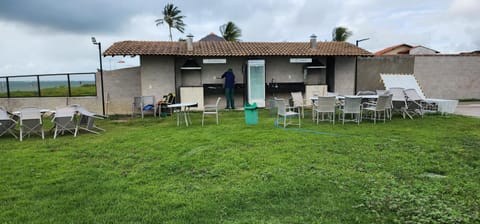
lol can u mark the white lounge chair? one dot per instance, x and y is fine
(63, 121)
(87, 120)
(31, 122)
(7, 124)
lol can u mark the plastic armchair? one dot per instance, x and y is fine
(352, 106)
(376, 108)
(282, 112)
(325, 105)
(298, 103)
(211, 110)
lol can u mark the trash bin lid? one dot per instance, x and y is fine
(250, 106)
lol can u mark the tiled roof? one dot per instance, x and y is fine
(388, 49)
(228, 48)
(212, 37)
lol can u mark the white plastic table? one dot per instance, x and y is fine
(183, 108)
(444, 106)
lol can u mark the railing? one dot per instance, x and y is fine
(49, 85)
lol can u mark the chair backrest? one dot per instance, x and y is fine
(352, 104)
(281, 107)
(65, 112)
(412, 95)
(218, 101)
(363, 93)
(30, 113)
(297, 98)
(3, 114)
(398, 94)
(146, 100)
(380, 91)
(170, 98)
(388, 104)
(382, 102)
(326, 103)
(137, 102)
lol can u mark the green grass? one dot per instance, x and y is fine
(151, 171)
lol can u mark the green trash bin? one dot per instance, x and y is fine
(251, 113)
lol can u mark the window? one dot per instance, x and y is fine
(51, 85)
(54, 85)
(3, 87)
(23, 86)
(83, 85)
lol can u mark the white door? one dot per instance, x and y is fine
(256, 82)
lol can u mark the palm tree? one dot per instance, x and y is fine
(230, 31)
(172, 17)
(341, 34)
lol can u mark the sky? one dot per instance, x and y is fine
(54, 36)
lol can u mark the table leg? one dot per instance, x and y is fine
(178, 118)
(185, 114)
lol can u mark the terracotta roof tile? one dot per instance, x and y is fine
(227, 48)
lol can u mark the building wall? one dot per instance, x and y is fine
(344, 75)
(439, 76)
(370, 68)
(449, 77)
(422, 50)
(120, 87)
(157, 75)
(282, 71)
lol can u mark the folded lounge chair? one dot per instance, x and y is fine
(87, 120)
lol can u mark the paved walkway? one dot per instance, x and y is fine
(468, 109)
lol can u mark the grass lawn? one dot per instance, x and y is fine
(151, 171)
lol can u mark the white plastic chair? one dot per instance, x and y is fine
(282, 112)
(376, 108)
(298, 102)
(353, 106)
(325, 105)
(211, 109)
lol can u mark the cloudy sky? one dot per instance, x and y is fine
(53, 36)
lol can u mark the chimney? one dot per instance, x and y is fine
(189, 42)
(313, 41)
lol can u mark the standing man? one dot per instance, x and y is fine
(229, 88)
